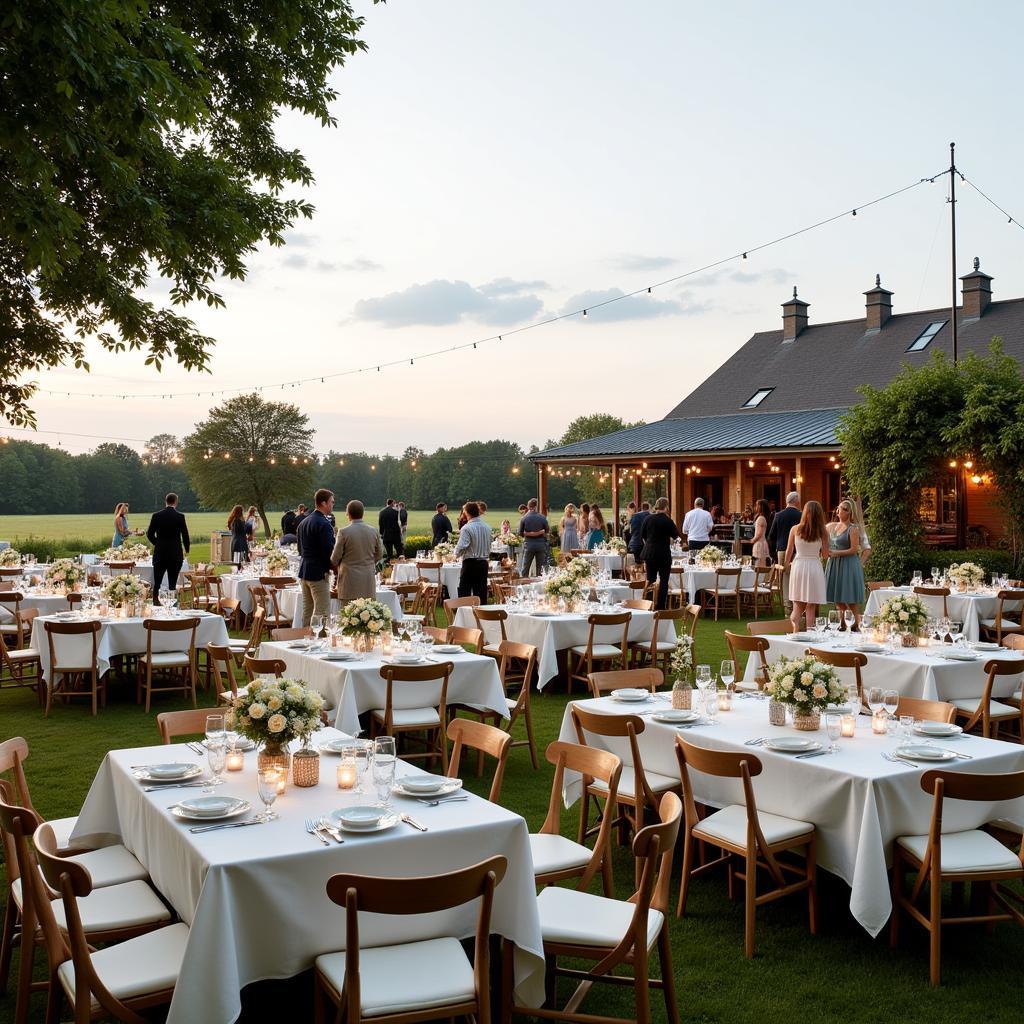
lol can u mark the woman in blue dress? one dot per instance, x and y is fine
(121, 530)
(844, 574)
(568, 535)
(598, 534)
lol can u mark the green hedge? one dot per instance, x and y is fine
(990, 559)
(66, 547)
(418, 542)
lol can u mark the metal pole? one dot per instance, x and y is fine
(952, 231)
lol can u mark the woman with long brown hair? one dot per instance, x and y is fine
(808, 546)
(598, 533)
(583, 524)
(239, 541)
(121, 530)
(760, 546)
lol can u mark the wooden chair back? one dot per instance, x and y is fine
(691, 617)
(439, 634)
(649, 678)
(67, 629)
(880, 585)
(752, 645)
(843, 659)
(498, 615)
(994, 668)
(191, 722)
(263, 666)
(415, 678)
(277, 581)
(942, 592)
(639, 605)
(926, 710)
(429, 571)
(466, 636)
(13, 753)
(604, 620)
(222, 666)
(291, 633)
(769, 627)
(453, 604)
(466, 732)
(188, 625)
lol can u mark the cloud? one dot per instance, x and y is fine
(299, 239)
(636, 307)
(438, 303)
(508, 286)
(360, 265)
(773, 275)
(641, 263)
(297, 260)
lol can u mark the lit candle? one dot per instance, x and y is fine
(346, 774)
(849, 725)
(725, 700)
(235, 760)
(880, 723)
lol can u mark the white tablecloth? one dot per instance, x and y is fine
(858, 801)
(913, 672)
(406, 572)
(969, 609)
(606, 562)
(144, 570)
(255, 898)
(237, 586)
(122, 636)
(554, 633)
(696, 579)
(47, 604)
(355, 687)
(289, 601)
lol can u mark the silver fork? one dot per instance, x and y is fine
(755, 742)
(325, 826)
(444, 800)
(311, 828)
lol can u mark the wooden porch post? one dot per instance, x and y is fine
(638, 489)
(615, 497)
(675, 492)
(542, 489)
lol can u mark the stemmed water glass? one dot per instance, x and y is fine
(834, 728)
(215, 730)
(820, 623)
(892, 702)
(316, 624)
(956, 631)
(935, 574)
(850, 619)
(833, 622)
(876, 699)
(384, 759)
(216, 756)
(269, 778)
(703, 683)
(727, 673)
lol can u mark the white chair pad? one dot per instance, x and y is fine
(658, 783)
(111, 865)
(966, 851)
(147, 964)
(582, 919)
(599, 650)
(116, 906)
(995, 709)
(167, 659)
(1009, 625)
(556, 853)
(655, 645)
(16, 893)
(730, 824)
(238, 644)
(414, 976)
(24, 654)
(409, 718)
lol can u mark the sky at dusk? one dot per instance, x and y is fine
(498, 164)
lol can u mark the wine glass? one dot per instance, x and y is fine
(703, 682)
(727, 673)
(230, 735)
(384, 759)
(935, 574)
(316, 623)
(853, 698)
(892, 702)
(834, 728)
(269, 779)
(876, 699)
(216, 756)
(833, 621)
(956, 631)
(850, 619)
(215, 730)
(820, 624)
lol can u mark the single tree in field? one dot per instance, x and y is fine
(249, 451)
(138, 139)
(161, 449)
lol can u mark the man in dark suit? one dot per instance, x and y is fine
(636, 526)
(168, 533)
(440, 525)
(778, 537)
(658, 533)
(390, 526)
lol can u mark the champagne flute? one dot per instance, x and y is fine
(834, 727)
(384, 761)
(214, 730)
(216, 756)
(727, 673)
(268, 781)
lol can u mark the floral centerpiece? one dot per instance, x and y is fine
(512, 540)
(64, 574)
(710, 557)
(966, 574)
(564, 586)
(444, 551)
(10, 557)
(272, 712)
(579, 568)
(132, 552)
(365, 618)
(805, 684)
(680, 661)
(277, 563)
(126, 588)
(905, 614)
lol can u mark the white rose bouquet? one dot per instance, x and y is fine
(277, 563)
(805, 683)
(10, 557)
(710, 557)
(65, 573)
(275, 711)
(443, 551)
(968, 574)
(616, 545)
(680, 661)
(906, 613)
(132, 552)
(564, 586)
(365, 617)
(579, 568)
(513, 540)
(126, 588)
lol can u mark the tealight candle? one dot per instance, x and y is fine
(725, 700)
(235, 760)
(880, 723)
(848, 725)
(347, 773)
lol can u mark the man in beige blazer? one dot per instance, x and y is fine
(356, 553)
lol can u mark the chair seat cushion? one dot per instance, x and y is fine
(582, 919)
(556, 853)
(658, 783)
(730, 825)
(238, 644)
(413, 976)
(166, 659)
(147, 964)
(24, 654)
(111, 865)
(995, 709)
(599, 650)
(128, 905)
(410, 718)
(657, 646)
(966, 851)
(1009, 625)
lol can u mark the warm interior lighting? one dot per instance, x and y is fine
(952, 463)
(968, 464)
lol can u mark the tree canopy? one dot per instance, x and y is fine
(137, 138)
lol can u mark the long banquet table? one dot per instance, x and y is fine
(858, 801)
(355, 687)
(255, 900)
(969, 609)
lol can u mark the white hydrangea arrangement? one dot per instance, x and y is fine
(277, 563)
(680, 662)
(710, 557)
(564, 586)
(513, 540)
(579, 568)
(131, 552)
(65, 573)
(616, 545)
(365, 617)
(906, 613)
(805, 683)
(276, 711)
(968, 574)
(126, 588)
(10, 557)
(444, 551)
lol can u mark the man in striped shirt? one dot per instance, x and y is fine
(474, 545)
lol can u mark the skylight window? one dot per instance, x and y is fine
(923, 340)
(757, 398)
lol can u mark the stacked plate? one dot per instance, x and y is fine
(791, 745)
(922, 752)
(426, 785)
(630, 695)
(449, 649)
(175, 771)
(206, 807)
(941, 729)
(676, 716)
(364, 819)
(339, 654)
(868, 647)
(803, 637)
(984, 645)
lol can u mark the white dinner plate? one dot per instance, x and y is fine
(920, 752)
(937, 729)
(204, 808)
(631, 695)
(676, 716)
(172, 772)
(401, 658)
(984, 645)
(868, 648)
(339, 655)
(803, 637)
(447, 786)
(364, 819)
(543, 615)
(449, 649)
(300, 645)
(337, 745)
(791, 745)
(960, 655)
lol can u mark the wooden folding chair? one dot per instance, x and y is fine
(844, 659)
(485, 739)
(880, 585)
(759, 596)
(649, 678)
(291, 633)
(770, 627)
(992, 713)
(20, 667)
(1007, 618)
(751, 645)
(190, 722)
(68, 677)
(180, 664)
(429, 717)
(264, 667)
(453, 604)
(936, 592)
(726, 592)
(466, 636)
(582, 658)
(926, 710)
(658, 649)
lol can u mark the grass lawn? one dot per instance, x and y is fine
(839, 975)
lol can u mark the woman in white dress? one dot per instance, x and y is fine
(808, 546)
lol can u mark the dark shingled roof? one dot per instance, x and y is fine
(826, 363)
(809, 428)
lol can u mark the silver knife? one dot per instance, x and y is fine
(415, 824)
(227, 824)
(810, 753)
(179, 785)
(331, 831)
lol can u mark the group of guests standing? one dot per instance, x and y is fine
(583, 528)
(243, 532)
